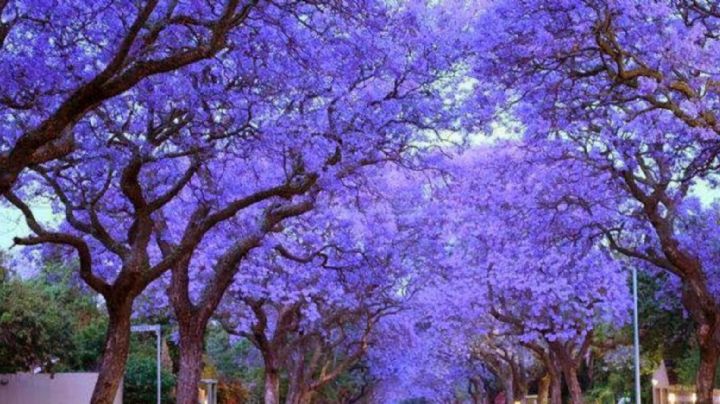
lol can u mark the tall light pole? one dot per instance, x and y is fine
(153, 328)
(636, 336)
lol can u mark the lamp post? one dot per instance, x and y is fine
(156, 329)
(636, 336)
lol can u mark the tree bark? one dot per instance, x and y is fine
(544, 389)
(509, 387)
(705, 380)
(576, 395)
(702, 307)
(551, 383)
(299, 390)
(191, 364)
(569, 363)
(115, 351)
(272, 386)
(300, 396)
(555, 389)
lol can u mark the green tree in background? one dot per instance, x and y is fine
(48, 321)
(35, 329)
(140, 381)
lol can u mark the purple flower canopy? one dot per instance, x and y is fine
(305, 175)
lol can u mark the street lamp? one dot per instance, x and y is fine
(636, 336)
(156, 329)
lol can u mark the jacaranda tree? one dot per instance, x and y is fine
(629, 90)
(191, 168)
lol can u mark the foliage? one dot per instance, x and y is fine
(87, 347)
(231, 357)
(50, 321)
(299, 175)
(233, 392)
(351, 386)
(687, 367)
(35, 328)
(141, 381)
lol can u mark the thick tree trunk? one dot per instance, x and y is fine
(544, 389)
(576, 395)
(191, 364)
(300, 396)
(705, 381)
(568, 362)
(509, 393)
(299, 391)
(272, 386)
(552, 381)
(703, 308)
(115, 352)
(509, 398)
(556, 389)
(192, 322)
(519, 390)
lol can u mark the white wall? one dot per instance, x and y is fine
(61, 388)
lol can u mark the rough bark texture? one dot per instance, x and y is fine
(519, 384)
(576, 395)
(272, 386)
(703, 309)
(301, 386)
(115, 352)
(509, 393)
(556, 388)
(569, 372)
(191, 365)
(569, 362)
(544, 389)
(300, 396)
(701, 305)
(705, 382)
(551, 383)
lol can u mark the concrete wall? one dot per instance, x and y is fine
(61, 388)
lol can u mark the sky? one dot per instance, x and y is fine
(12, 224)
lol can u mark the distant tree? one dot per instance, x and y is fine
(140, 381)
(629, 91)
(35, 327)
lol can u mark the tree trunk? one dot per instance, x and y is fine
(192, 323)
(509, 399)
(191, 364)
(703, 308)
(519, 384)
(272, 386)
(299, 391)
(509, 393)
(569, 365)
(705, 381)
(544, 389)
(576, 395)
(555, 388)
(115, 352)
(300, 396)
(519, 390)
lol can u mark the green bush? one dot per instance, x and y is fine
(140, 381)
(35, 329)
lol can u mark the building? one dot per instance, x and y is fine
(667, 390)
